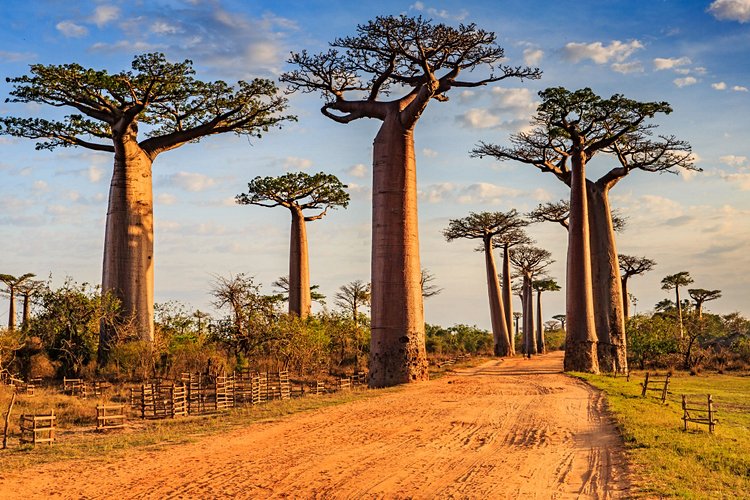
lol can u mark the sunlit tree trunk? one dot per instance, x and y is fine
(580, 341)
(528, 317)
(608, 294)
(540, 347)
(625, 299)
(397, 348)
(26, 312)
(500, 331)
(128, 268)
(508, 297)
(299, 271)
(12, 309)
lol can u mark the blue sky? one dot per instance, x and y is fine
(693, 54)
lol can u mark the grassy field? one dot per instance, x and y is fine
(669, 462)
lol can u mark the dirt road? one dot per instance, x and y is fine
(507, 429)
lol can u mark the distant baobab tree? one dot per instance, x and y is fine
(570, 128)
(14, 284)
(27, 289)
(542, 285)
(675, 281)
(486, 226)
(282, 286)
(561, 318)
(355, 77)
(516, 317)
(107, 110)
(559, 211)
(298, 192)
(632, 266)
(700, 296)
(530, 262)
(352, 296)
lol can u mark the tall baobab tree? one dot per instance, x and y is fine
(569, 128)
(14, 283)
(352, 296)
(516, 316)
(107, 110)
(675, 281)
(543, 285)
(561, 318)
(486, 226)
(631, 266)
(27, 289)
(700, 296)
(297, 192)
(355, 76)
(530, 262)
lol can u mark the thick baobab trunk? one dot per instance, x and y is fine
(397, 346)
(26, 312)
(128, 270)
(540, 347)
(528, 317)
(12, 309)
(500, 331)
(607, 286)
(580, 338)
(508, 297)
(625, 299)
(299, 270)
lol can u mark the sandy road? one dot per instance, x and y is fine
(511, 429)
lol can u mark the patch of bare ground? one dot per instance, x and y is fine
(506, 429)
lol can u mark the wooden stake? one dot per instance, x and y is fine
(7, 419)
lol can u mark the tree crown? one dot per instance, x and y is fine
(559, 212)
(545, 285)
(498, 226)
(530, 260)
(631, 265)
(701, 295)
(676, 280)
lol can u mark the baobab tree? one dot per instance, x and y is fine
(559, 211)
(107, 110)
(516, 317)
(569, 128)
(631, 266)
(561, 318)
(425, 60)
(700, 296)
(427, 284)
(27, 289)
(486, 226)
(542, 285)
(14, 283)
(282, 286)
(352, 296)
(675, 281)
(297, 192)
(530, 262)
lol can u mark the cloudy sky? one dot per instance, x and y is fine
(693, 54)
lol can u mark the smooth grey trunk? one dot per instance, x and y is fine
(580, 338)
(528, 317)
(397, 346)
(12, 309)
(508, 297)
(128, 267)
(500, 332)
(607, 286)
(540, 347)
(300, 301)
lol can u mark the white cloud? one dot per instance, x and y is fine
(485, 193)
(40, 185)
(437, 193)
(296, 163)
(442, 13)
(731, 10)
(429, 153)
(104, 14)
(741, 180)
(95, 173)
(190, 181)
(71, 29)
(466, 96)
(166, 199)
(359, 170)
(627, 68)
(164, 28)
(531, 56)
(685, 82)
(733, 161)
(719, 86)
(739, 88)
(479, 118)
(662, 63)
(600, 53)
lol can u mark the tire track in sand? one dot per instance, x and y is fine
(508, 429)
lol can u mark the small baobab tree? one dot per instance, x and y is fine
(425, 60)
(352, 296)
(298, 192)
(700, 296)
(542, 285)
(427, 284)
(561, 318)
(516, 317)
(569, 129)
(631, 266)
(530, 262)
(487, 226)
(675, 281)
(27, 289)
(14, 285)
(107, 109)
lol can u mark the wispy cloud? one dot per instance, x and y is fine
(297, 163)
(511, 109)
(731, 10)
(104, 14)
(71, 29)
(662, 63)
(685, 82)
(532, 56)
(739, 88)
(359, 170)
(719, 86)
(439, 13)
(190, 181)
(599, 53)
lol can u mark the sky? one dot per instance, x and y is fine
(692, 54)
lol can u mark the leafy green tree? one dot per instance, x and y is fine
(650, 338)
(107, 110)
(298, 192)
(422, 62)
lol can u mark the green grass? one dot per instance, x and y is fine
(669, 462)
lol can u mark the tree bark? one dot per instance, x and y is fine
(528, 317)
(679, 309)
(299, 270)
(625, 299)
(540, 347)
(607, 286)
(580, 339)
(397, 346)
(12, 309)
(26, 312)
(508, 297)
(128, 268)
(500, 331)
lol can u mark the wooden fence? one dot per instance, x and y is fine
(703, 415)
(110, 417)
(38, 428)
(657, 384)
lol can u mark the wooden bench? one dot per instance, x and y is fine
(703, 415)
(38, 428)
(658, 384)
(110, 417)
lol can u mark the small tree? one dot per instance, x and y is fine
(543, 285)
(675, 281)
(632, 266)
(107, 109)
(700, 296)
(352, 296)
(427, 284)
(282, 288)
(298, 192)
(530, 262)
(561, 319)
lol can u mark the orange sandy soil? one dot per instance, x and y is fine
(506, 429)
